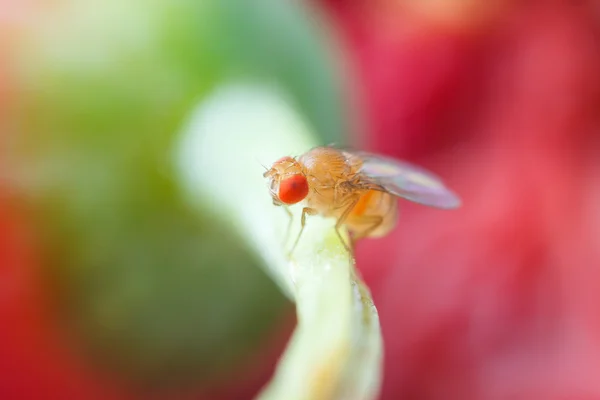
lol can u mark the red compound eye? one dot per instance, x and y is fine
(293, 189)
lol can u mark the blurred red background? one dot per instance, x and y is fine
(502, 298)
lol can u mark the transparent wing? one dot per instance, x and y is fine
(405, 180)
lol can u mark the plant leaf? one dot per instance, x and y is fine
(336, 349)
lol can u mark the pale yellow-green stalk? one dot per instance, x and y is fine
(336, 349)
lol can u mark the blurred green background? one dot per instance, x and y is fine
(148, 288)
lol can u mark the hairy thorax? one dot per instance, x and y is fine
(330, 173)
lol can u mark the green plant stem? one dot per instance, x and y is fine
(336, 349)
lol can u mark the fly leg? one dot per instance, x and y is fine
(352, 202)
(291, 220)
(305, 211)
(289, 226)
(374, 221)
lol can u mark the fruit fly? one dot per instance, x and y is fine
(357, 188)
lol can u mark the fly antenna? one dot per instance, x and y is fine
(261, 164)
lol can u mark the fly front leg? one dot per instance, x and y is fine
(305, 211)
(289, 226)
(290, 220)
